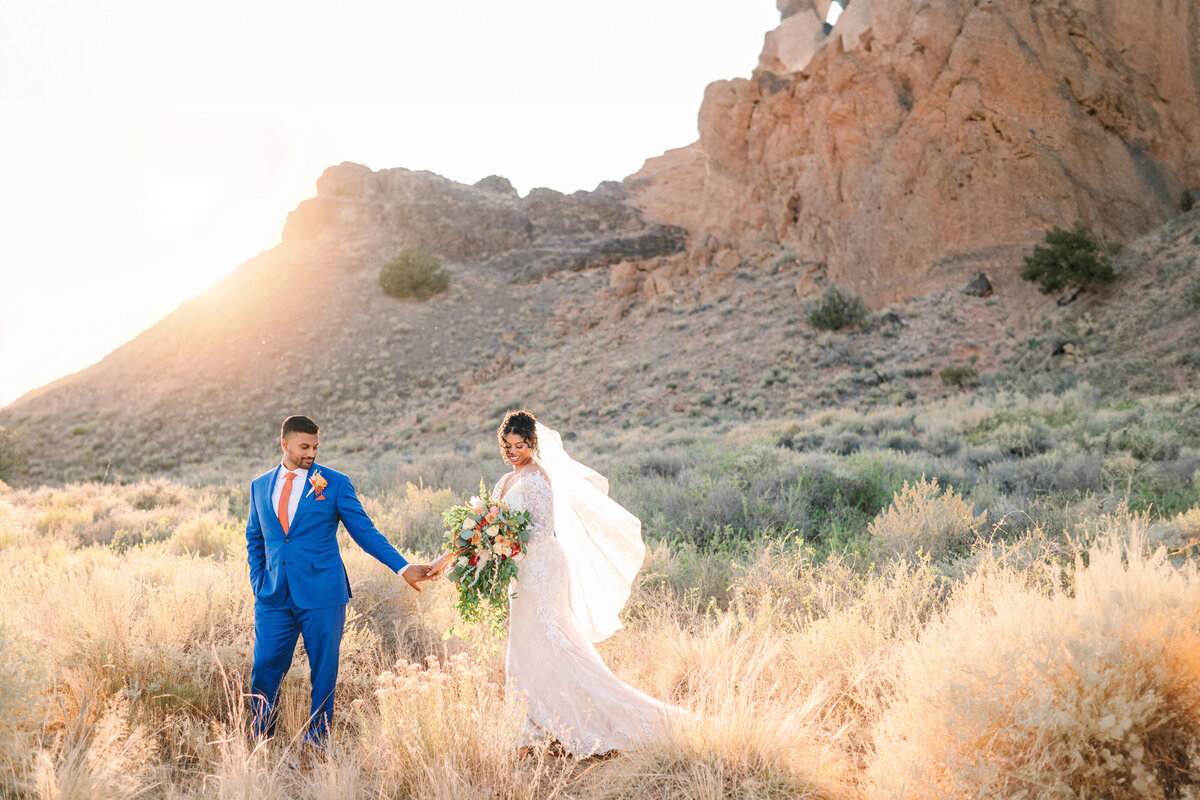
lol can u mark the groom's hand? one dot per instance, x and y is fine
(414, 574)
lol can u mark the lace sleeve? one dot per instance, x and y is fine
(535, 490)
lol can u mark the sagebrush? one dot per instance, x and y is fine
(414, 273)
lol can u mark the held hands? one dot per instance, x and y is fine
(438, 567)
(414, 574)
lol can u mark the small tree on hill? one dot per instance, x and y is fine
(413, 273)
(835, 310)
(1070, 258)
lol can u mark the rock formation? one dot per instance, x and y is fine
(530, 237)
(923, 140)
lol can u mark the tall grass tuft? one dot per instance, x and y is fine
(97, 755)
(1083, 687)
(923, 520)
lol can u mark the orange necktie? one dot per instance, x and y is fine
(284, 497)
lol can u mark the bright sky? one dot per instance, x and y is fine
(147, 148)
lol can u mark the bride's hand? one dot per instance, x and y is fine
(438, 567)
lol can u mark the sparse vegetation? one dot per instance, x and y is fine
(414, 273)
(814, 591)
(835, 310)
(1070, 258)
(12, 454)
(1187, 201)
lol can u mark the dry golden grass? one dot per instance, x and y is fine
(124, 668)
(924, 521)
(1089, 689)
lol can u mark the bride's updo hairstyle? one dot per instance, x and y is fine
(521, 423)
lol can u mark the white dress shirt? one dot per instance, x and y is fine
(299, 487)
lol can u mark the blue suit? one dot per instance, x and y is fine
(301, 588)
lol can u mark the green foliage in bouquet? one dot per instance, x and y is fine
(486, 536)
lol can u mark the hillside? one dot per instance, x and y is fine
(668, 300)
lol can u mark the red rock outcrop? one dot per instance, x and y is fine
(925, 139)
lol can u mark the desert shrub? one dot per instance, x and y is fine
(1069, 258)
(980, 456)
(1147, 443)
(1163, 487)
(959, 375)
(1073, 473)
(1180, 534)
(663, 463)
(1036, 689)
(155, 494)
(210, 535)
(414, 273)
(13, 456)
(447, 713)
(1187, 201)
(13, 523)
(765, 491)
(1021, 437)
(22, 702)
(835, 310)
(845, 443)
(98, 755)
(922, 520)
(411, 516)
(902, 441)
(767, 756)
(134, 530)
(1066, 474)
(1193, 295)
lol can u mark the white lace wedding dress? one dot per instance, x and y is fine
(569, 692)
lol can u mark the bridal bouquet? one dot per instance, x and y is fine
(484, 536)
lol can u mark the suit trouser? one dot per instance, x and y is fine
(276, 630)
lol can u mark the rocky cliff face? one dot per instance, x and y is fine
(530, 237)
(921, 139)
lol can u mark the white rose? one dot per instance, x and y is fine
(468, 524)
(492, 531)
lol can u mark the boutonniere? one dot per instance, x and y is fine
(318, 482)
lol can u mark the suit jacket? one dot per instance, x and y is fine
(307, 561)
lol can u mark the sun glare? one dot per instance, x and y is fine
(140, 167)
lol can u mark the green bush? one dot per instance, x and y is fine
(835, 310)
(1070, 258)
(413, 273)
(960, 374)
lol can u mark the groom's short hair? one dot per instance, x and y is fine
(298, 423)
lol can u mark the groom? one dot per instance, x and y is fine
(300, 585)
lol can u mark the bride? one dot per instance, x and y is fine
(583, 553)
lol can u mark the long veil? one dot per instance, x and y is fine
(602, 541)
